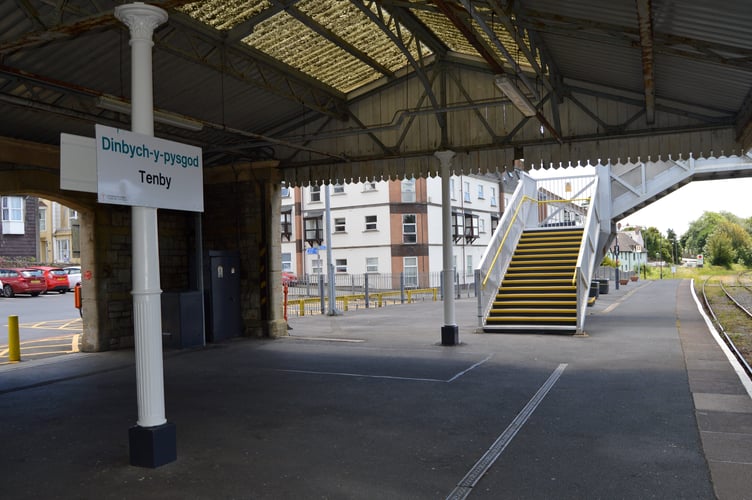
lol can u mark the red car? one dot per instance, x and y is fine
(22, 281)
(56, 278)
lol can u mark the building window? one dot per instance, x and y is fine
(339, 188)
(13, 214)
(481, 226)
(286, 221)
(314, 232)
(286, 261)
(340, 265)
(458, 222)
(317, 266)
(370, 223)
(480, 191)
(315, 194)
(284, 191)
(369, 186)
(62, 251)
(493, 197)
(471, 228)
(408, 190)
(452, 189)
(494, 223)
(73, 215)
(466, 192)
(372, 264)
(339, 225)
(409, 229)
(410, 271)
(468, 266)
(42, 219)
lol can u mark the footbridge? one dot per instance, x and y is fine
(535, 274)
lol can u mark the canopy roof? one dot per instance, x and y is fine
(379, 85)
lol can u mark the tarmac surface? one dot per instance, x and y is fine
(369, 405)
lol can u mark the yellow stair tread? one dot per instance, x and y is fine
(528, 319)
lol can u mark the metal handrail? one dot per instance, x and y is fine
(504, 238)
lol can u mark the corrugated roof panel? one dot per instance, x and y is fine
(728, 24)
(225, 14)
(349, 23)
(293, 43)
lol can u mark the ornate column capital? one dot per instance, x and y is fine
(142, 19)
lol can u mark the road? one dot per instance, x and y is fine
(49, 325)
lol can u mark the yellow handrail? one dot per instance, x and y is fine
(504, 238)
(514, 218)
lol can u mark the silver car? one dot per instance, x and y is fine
(74, 276)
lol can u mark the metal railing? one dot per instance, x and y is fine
(309, 295)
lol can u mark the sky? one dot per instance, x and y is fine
(685, 205)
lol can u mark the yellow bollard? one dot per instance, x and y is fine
(14, 343)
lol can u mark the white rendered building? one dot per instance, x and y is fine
(390, 227)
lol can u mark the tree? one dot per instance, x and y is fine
(674, 246)
(719, 250)
(741, 241)
(694, 240)
(656, 244)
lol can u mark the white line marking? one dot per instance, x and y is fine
(476, 365)
(466, 485)
(340, 374)
(391, 377)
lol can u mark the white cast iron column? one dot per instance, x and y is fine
(449, 332)
(147, 309)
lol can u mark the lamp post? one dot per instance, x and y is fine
(660, 263)
(616, 256)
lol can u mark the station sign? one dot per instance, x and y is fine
(141, 170)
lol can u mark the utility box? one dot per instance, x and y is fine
(222, 295)
(182, 319)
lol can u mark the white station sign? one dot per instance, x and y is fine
(141, 170)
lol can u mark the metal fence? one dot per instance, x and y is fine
(310, 294)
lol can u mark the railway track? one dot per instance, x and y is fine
(728, 300)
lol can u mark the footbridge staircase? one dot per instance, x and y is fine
(535, 274)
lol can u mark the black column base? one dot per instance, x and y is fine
(152, 447)
(450, 335)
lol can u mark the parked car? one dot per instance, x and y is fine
(22, 281)
(289, 278)
(56, 278)
(74, 276)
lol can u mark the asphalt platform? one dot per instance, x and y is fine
(369, 405)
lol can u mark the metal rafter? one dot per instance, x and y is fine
(645, 21)
(64, 31)
(201, 45)
(470, 8)
(379, 18)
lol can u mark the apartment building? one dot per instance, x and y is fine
(390, 227)
(58, 233)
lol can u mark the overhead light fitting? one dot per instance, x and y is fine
(515, 95)
(166, 117)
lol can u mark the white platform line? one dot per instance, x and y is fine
(466, 485)
(390, 377)
(344, 374)
(476, 365)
